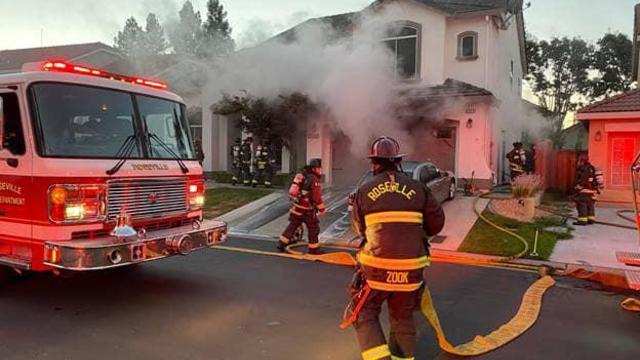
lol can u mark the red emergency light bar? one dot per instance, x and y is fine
(62, 66)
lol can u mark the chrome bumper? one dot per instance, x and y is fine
(110, 252)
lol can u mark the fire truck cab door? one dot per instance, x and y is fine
(16, 213)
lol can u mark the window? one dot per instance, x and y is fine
(11, 133)
(404, 42)
(468, 45)
(78, 121)
(83, 121)
(167, 128)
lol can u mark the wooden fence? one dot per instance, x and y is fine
(556, 167)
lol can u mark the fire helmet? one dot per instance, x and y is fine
(385, 148)
(315, 163)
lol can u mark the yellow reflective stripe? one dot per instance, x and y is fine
(393, 216)
(401, 358)
(592, 217)
(378, 285)
(295, 212)
(378, 352)
(583, 219)
(393, 264)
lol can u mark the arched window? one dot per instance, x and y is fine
(403, 39)
(468, 45)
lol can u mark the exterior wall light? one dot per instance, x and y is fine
(598, 136)
(469, 123)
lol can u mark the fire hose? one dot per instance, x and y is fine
(526, 316)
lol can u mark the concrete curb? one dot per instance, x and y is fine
(250, 207)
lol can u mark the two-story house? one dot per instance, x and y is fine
(467, 53)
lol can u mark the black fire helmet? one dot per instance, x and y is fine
(385, 147)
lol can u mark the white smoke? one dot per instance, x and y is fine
(352, 76)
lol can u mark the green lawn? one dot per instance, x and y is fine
(484, 239)
(223, 200)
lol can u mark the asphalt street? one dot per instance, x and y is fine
(216, 305)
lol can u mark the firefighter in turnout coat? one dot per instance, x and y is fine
(306, 194)
(246, 156)
(236, 161)
(394, 215)
(517, 160)
(585, 192)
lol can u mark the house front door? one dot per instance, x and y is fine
(622, 150)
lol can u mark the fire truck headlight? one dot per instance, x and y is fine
(74, 212)
(72, 203)
(196, 194)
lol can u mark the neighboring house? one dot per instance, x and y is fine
(614, 141)
(473, 50)
(96, 55)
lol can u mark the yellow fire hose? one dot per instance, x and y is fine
(525, 317)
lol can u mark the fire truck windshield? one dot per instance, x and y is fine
(79, 121)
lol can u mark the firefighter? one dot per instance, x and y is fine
(236, 161)
(585, 192)
(517, 160)
(394, 215)
(262, 165)
(271, 164)
(306, 194)
(246, 155)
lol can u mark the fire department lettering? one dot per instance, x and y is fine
(389, 187)
(397, 277)
(149, 167)
(13, 189)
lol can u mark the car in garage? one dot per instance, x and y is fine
(441, 183)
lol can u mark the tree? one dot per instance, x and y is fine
(559, 77)
(216, 33)
(268, 119)
(187, 33)
(613, 63)
(154, 40)
(128, 40)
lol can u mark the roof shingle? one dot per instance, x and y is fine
(629, 101)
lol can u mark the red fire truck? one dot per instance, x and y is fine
(97, 170)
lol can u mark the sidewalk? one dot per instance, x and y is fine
(596, 245)
(460, 218)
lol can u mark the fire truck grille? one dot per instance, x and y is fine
(147, 198)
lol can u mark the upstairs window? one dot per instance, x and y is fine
(468, 46)
(403, 41)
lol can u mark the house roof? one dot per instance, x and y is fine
(629, 101)
(449, 89)
(14, 59)
(459, 7)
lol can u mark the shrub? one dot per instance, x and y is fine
(525, 186)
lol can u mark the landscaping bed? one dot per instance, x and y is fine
(222, 200)
(487, 240)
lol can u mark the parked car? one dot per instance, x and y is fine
(441, 183)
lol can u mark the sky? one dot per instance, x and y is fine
(33, 23)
